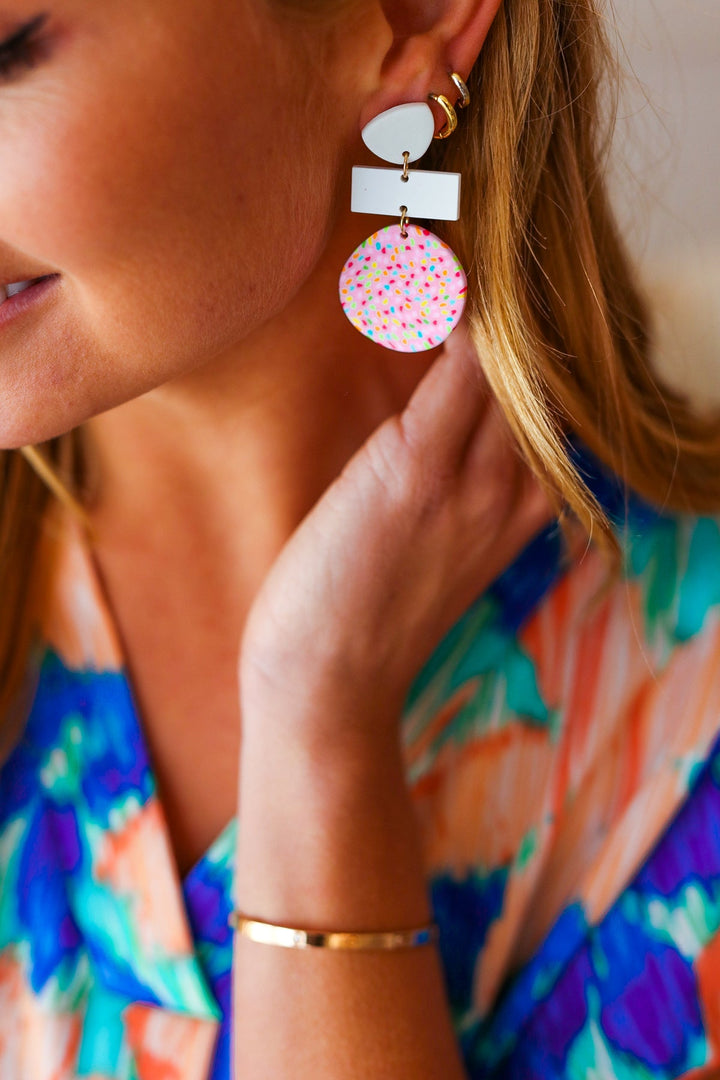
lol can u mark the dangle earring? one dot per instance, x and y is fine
(404, 287)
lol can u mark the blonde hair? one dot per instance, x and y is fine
(562, 329)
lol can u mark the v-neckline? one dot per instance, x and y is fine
(218, 840)
(94, 647)
(518, 591)
(103, 646)
(562, 950)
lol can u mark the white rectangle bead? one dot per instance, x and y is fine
(426, 194)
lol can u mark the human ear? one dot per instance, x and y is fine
(430, 38)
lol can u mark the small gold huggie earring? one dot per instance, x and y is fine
(463, 89)
(450, 114)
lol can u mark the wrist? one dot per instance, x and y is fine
(328, 835)
(325, 712)
(330, 753)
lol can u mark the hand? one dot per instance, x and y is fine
(434, 505)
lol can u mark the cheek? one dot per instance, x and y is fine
(174, 208)
(178, 226)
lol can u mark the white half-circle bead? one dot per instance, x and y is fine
(404, 127)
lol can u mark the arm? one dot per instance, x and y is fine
(329, 841)
(428, 512)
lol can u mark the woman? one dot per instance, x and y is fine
(323, 635)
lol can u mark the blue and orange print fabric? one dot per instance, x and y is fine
(562, 749)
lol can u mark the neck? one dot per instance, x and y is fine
(235, 453)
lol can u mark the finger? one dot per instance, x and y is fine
(447, 404)
(495, 452)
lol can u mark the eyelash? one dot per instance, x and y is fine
(20, 50)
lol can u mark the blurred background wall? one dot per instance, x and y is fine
(666, 176)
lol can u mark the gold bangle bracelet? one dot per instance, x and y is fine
(295, 938)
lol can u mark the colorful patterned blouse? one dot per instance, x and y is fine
(563, 755)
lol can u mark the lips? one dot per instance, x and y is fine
(16, 287)
(24, 296)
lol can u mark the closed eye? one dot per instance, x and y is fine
(21, 49)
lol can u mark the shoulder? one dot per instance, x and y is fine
(75, 619)
(70, 722)
(675, 561)
(670, 574)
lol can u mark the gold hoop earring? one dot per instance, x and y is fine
(450, 115)
(462, 88)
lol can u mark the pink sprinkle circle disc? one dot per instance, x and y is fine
(406, 293)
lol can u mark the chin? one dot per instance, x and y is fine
(29, 423)
(31, 434)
